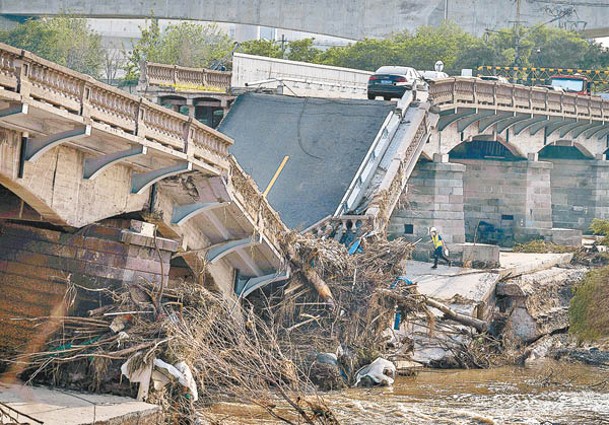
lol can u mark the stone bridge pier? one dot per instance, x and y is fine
(503, 200)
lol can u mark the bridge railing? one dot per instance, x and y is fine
(34, 78)
(387, 195)
(247, 194)
(179, 77)
(473, 92)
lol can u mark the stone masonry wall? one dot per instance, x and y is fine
(573, 182)
(509, 195)
(434, 198)
(600, 192)
(37, 265)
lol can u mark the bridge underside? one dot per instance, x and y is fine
(359, 20)
(482, 121)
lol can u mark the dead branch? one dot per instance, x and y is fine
(480, 325)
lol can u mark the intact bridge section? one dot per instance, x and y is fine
(88, 173)
(508, 163)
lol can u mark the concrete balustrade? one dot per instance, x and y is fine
(472, 92)
(247, 195)
(180, 77)
(32, 78)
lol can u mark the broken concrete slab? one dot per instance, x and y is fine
(519, 263)
(444, 283)
(63, 407)
(537, 304)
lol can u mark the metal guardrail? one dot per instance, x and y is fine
(390, 189)
(475, 93)
(373, 157)
(386, 195)
(182, 78)
(38, 79)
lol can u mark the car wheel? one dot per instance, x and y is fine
(387, 97)
(371, 96)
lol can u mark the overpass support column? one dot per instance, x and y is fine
(600, 190)
(434, 198)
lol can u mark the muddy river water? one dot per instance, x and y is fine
(547, 393)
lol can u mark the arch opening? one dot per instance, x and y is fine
(565, 149)
(486, 148)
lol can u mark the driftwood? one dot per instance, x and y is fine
(479, 325)
(311, 275)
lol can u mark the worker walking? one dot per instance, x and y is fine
(438, 246)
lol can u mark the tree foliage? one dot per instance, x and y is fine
(539, 46)
(64, 40)
(186, 44)
(267, 48)
(303, 50)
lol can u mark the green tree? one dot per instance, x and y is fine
(146, 49)
(267, 48)
(557, 48)
(303, 50)
(64, 40)
(193, 45)
(185, 44)
(368, 54)
(446, 42)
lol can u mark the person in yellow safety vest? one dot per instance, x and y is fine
(438, 246)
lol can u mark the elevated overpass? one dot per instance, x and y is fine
(340, 18)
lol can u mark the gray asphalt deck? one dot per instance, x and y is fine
(63, 407)
(326, 140)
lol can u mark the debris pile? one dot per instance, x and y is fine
(182, 344)
(350, 309)
(188, 347)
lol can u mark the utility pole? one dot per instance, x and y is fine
(446, 10)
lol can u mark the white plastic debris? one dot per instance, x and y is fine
(182, 372)
(380, 371)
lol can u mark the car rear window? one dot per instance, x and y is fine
(402, 70)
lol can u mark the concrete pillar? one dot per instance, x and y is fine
(434, 198)
(538, 207)
(600, 189)
(191, 110)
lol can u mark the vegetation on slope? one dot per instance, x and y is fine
(589, 311)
